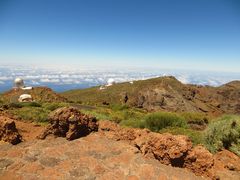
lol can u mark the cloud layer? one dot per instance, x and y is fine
(70, 78)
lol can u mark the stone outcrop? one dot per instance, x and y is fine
(8, 131)
(174, 150)
(91, 157)
(70, 123)
(199, 160)
(227, 160)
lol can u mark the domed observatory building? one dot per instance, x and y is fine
(110, 82)
(25, 98)
(18, 83)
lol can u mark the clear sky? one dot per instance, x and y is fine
(191, 34)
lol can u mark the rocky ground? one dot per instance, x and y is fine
(109, 152)
(91, 157)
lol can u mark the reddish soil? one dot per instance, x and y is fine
(29, 131)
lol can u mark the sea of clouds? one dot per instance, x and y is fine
(66, 78)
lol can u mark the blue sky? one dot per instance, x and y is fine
(186, 34)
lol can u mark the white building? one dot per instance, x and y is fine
(110, 82)
(25, 98)
(18, 83)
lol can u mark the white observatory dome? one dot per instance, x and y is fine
(25, 98)
(18, 82)
(110, 82)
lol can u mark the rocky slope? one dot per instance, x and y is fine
(165, 93)
(39, 94)
(111, 152)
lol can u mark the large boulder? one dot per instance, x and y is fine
(167, 148)
(8, 131)
(69, 122)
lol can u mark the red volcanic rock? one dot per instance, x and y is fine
(227, 160)
(70, 123)
(167, 148)
(113, 152)
(199, 160)
(91, 157)
(175, 150)
(107, 126)
(8, 131)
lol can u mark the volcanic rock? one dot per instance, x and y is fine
(167, 148)
(227, 160)
(8, 131)
(199, 160)
(70, 123)
(175, 150)
(91, 157)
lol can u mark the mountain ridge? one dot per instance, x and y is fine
(166, 94)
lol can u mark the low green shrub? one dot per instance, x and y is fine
(53, 106)
(35, 114)
(23, 104)
(160, 120)
(224, 133)
(1, 102)
(118, 107)
(195, 136)
(30, 104)
(135, 123)
(98, 115)
(15, 105)
(195, 118)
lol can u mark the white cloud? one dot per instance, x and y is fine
(5, 78)
(50, 80)
(86, 77)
